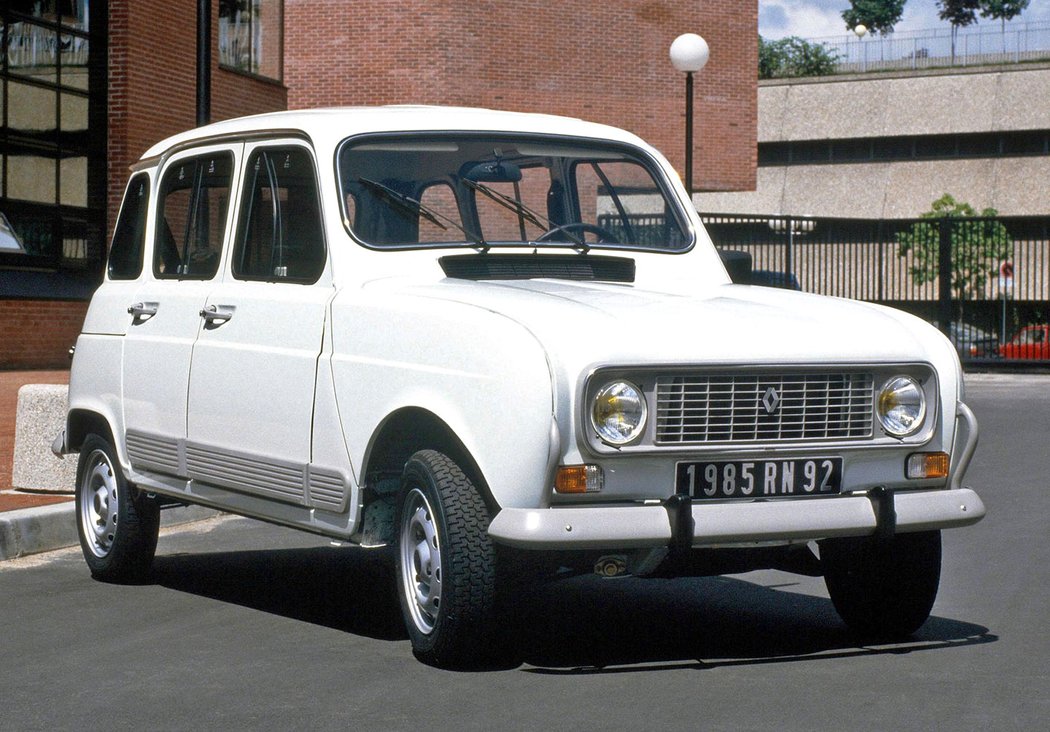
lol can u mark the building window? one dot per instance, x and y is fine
(250, 36)
(918, 147)
(52, 167)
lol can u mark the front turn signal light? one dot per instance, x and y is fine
(579, 479)
(922, 465)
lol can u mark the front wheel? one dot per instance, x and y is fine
(118, 527)
(446, 565)
(883, 589)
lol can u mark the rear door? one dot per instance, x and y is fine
(251, 387)
(192, 219)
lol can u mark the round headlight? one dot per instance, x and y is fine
(618, 413)
(901, 406)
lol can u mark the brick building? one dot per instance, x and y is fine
(88, 85)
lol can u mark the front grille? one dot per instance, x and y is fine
(702, 409)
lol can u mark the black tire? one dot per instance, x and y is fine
(118, 526)
(883, 589)
(446, 566)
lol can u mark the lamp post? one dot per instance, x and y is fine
(689, 54)
(862, 30)
(792, 227)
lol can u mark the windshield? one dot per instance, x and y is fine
(487, 190)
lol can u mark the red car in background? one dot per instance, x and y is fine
(1032, 341)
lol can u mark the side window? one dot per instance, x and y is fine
(129, 236)
(280, 236)
(191, 217)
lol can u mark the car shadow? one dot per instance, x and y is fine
(590, 625)
(342, 588)
(570, 626)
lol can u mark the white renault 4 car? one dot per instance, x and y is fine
(472, 335)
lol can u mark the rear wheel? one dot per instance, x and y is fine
(117, 525)
(883, 589)
(446, 566)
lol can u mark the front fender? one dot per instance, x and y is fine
(483, 375)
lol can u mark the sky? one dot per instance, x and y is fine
(823, 18)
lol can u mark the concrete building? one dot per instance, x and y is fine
(87, 85)
(886, 145)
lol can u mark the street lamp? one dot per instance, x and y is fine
(792, 227)
(689, 54)
(862, 30)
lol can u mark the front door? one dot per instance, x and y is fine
(251, 387)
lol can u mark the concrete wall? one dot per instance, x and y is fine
(994, 99)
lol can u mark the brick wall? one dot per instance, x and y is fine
(602, 61)
(152, 94)
(153, 82)
(37, 334)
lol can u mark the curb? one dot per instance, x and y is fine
(44, 528)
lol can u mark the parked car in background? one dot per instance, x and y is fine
(1031, 342)
(972, 342)
(775, 278)
(459, 334)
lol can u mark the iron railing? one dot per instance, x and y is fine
(932, 48)
(981, 279)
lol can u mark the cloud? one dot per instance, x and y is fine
(806, 18)
(823, 18)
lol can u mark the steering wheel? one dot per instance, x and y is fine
(604, 235)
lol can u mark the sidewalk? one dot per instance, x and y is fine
(34, 522)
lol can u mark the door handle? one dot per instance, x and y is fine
(217, 314)
(143, 310)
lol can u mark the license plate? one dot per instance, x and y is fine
(760, 478)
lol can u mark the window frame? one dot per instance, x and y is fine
(194, 156)
(649, 162)
(139, 235)
(245, 199)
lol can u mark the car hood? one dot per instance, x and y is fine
(594, 323)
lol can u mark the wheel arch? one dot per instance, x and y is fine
(409, 430)
(83, 422)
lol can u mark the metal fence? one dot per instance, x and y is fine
(981, 279)
(975, 45)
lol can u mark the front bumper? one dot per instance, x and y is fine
(724, 524)
(679, 522)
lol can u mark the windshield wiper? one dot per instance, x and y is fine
(407, 203)
(524, 212)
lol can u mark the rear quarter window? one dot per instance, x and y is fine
(129, 235)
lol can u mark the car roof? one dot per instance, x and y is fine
(341, 122)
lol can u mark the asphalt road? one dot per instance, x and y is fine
(247, 626)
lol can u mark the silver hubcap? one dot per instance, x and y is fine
(420, 556)
(98, 504)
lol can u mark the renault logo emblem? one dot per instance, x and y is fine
(771, 400)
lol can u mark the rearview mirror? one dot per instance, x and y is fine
(494, 171)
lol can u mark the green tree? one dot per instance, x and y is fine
(794, 57)
(878, 16)
(1003, 10)
(977, 246)
(960, 13)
